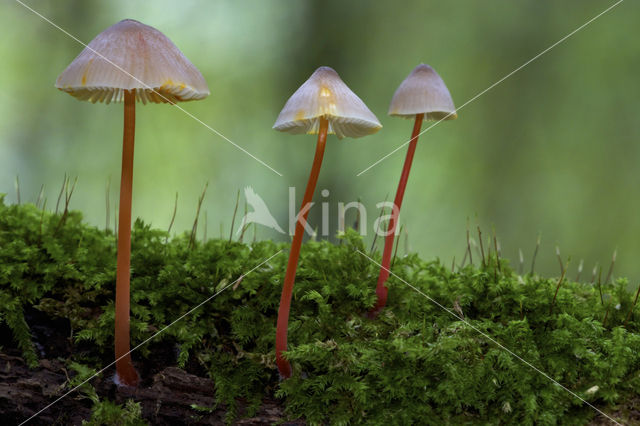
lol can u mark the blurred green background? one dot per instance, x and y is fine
(552, 150)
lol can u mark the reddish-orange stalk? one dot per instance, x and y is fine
(287, 288)
(381, 289)
(125, 371)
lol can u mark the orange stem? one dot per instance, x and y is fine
(287, 288)
(381, 289)
(125, 372)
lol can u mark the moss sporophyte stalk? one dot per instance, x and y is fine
(415, 363)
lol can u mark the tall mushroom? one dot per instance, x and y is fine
(130, 62)
(322, 105)
(422, 96)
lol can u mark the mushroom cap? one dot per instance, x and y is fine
(324, 94)
(132, 56)
(423, 92)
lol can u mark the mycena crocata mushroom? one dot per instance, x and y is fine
(421, 96)
(322, 105)
(130, 62)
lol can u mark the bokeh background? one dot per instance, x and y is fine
(553, 150)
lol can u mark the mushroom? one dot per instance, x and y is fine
(423, 96)
(130, 62)
(322, 105)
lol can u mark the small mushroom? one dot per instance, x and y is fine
(322, 105)
(130, 62)
(422, 96)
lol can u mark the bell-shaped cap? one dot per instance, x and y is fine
(132, 56)
(423, 92)
(324, 94)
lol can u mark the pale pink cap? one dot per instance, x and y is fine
(132, 56)
(423, 92)
(324, 94)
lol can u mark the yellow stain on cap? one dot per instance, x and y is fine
(325, 92)
(86, 70)
(300, 115)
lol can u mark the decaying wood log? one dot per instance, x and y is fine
(167, 400)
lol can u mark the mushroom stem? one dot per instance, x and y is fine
(125, 372)
(381, 289)
(287, 288)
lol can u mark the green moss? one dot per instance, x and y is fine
(415, 363)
